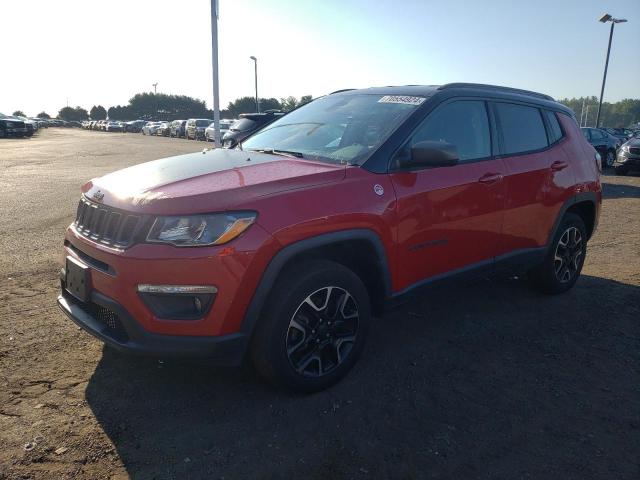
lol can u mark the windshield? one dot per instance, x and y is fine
(340, 128)
(202, 123)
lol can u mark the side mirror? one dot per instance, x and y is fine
(431, 154)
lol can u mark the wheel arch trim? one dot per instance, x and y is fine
(583, 197)
(280, 259)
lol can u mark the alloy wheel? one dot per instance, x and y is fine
(569, 252)
(610, 158)
(322, 331)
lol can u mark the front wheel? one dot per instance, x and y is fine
(610, 158)
(562, 266)
(621, 171)
(314, 327)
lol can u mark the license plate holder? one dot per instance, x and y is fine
(77, 279)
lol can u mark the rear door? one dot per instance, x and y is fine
(537, 174)
(449, 218)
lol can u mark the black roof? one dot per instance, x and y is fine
(462, 88)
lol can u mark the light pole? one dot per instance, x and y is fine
(214, 66)
(255, 64)
(155, 97)
(604, 19)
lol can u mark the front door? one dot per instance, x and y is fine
(450, 218)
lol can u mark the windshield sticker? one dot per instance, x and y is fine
(401, 99)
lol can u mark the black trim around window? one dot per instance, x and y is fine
(402, 149)
(544, 121)
(549, 129)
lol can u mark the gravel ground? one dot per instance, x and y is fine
(487, 380)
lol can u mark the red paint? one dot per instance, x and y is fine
(429, 222)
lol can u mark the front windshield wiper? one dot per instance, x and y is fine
(284, 153)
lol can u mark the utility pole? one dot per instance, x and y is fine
(582, 111)
(586, 117)
(214, 65)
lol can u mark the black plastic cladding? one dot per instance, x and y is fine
(379, 161)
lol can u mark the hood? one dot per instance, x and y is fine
(206, 181)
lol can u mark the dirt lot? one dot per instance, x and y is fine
(491, 380)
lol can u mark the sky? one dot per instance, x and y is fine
(88, 52)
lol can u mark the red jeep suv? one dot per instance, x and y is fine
(284, 247)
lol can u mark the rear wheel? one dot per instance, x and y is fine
(562, 266)
(314, 327)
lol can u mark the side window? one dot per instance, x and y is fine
(596, 134)
(585, 132)
(522, 128)
(556, 132)
(464, 124)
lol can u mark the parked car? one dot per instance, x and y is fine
(247, 124)
(628, 157)
(209, 132)
(113, 126)
(134, 126)
(604, 143)
(195, 128)
(177, 128)
(163, 129)
(284, 250)
(29, 125)
(150, 128)
(621, 133)
(12, 127)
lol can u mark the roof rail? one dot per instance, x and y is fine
(498, 88)
(343, 90)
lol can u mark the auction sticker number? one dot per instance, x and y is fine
(407, 100)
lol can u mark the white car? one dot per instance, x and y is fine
(150, 128)
(113, 126)
(209, 132)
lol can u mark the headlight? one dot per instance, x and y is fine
(200, 230)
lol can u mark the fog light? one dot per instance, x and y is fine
(178, 302)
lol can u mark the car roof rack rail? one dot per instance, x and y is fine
(480, 86)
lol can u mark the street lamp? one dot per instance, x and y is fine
(155, 97)
(604, 19)
(255, 63)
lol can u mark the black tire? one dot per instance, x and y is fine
(610, 158)
(621, 171)
(562, 266)
(303, 348)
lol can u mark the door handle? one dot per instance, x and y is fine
(559, 165)
(490, 178)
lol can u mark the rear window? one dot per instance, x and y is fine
(522, 128)
(555, 132)
(202, 123)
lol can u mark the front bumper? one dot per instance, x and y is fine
(108, 321)
(114, 275)
(627, 160)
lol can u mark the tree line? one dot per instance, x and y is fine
(161, 106)
(624, 113)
